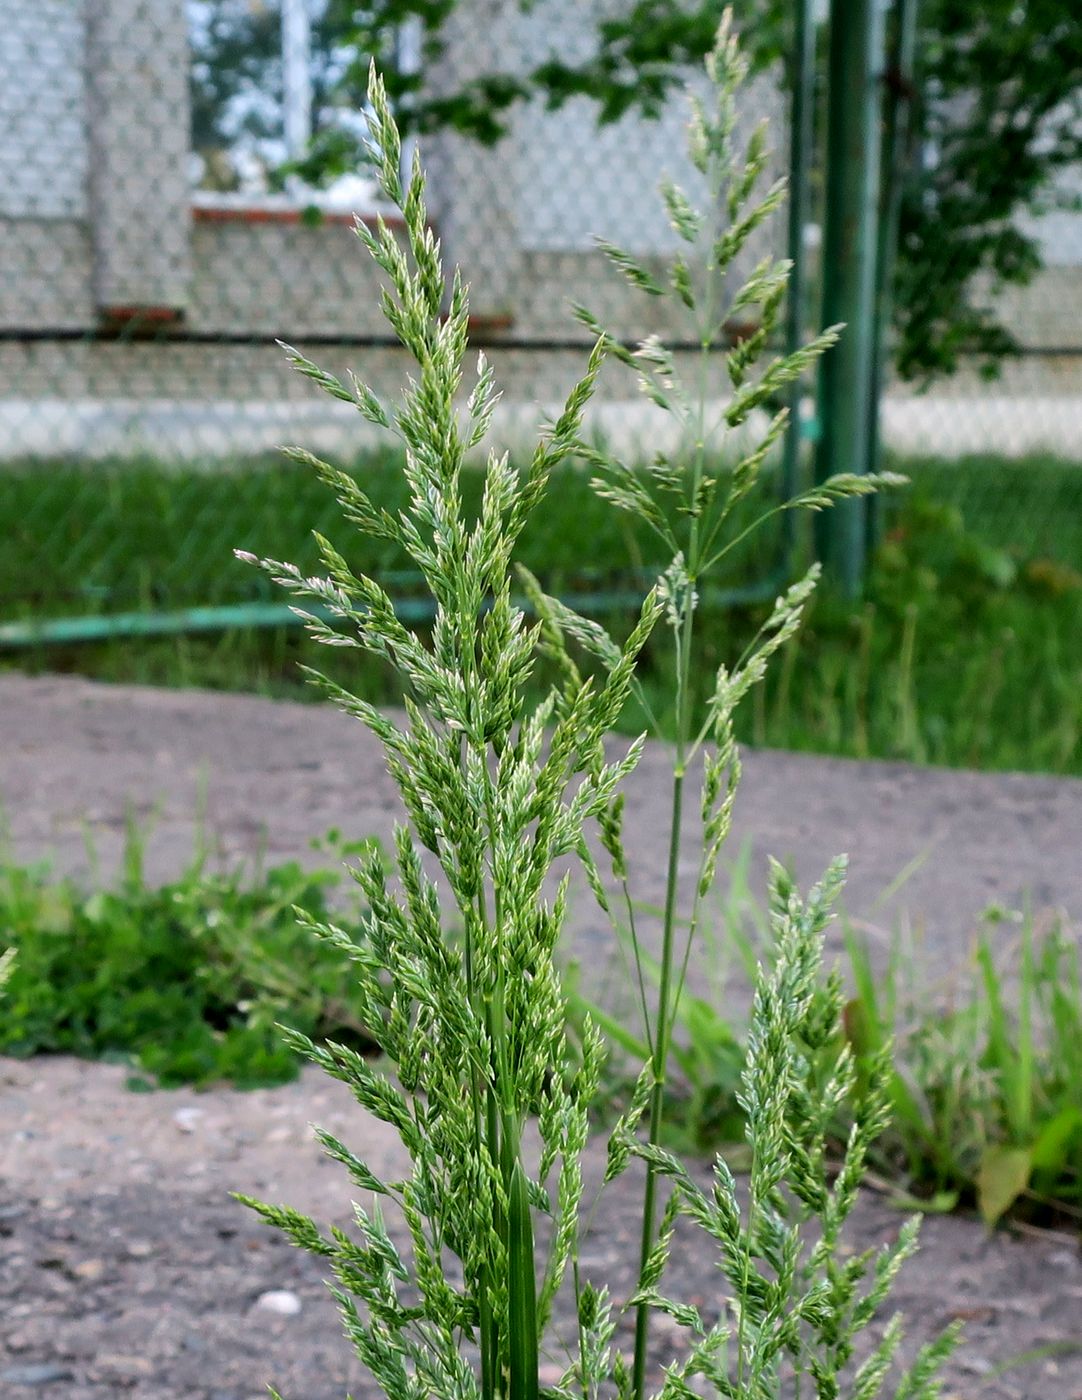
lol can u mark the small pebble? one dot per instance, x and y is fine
(121, 1367)
(280, 1301)
(187, 1119)
(36, 1374)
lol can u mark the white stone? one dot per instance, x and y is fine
(280, 1301)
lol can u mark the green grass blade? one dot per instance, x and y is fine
(1002, 1054)
(522, 1340)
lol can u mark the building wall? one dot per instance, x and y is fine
(46, 270)
(44, 153)
(138, 179)
(97, 226)
(277, 276)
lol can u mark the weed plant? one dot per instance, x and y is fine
(444, 1284)
(185, 982)
(963, 652)
(986, 1091)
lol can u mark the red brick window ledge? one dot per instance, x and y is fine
(271, 209)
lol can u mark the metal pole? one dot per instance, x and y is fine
(900, 90)
(296, 77)
(801, 110)
(101, 627)
(849, 249)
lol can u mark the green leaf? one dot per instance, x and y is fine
(1002, 1177)
(941, 1203)
(1052, 1145)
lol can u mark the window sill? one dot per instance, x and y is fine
(210, 208)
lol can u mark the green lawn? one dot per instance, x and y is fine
(120, 535)
(967, 649)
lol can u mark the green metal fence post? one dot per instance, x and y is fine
(802, 104)
(899, 93)
(849, 260)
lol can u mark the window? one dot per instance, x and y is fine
(267, 78)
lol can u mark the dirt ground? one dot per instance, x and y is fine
(126, 1269)
(77, 757)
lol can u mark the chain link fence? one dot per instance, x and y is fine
(151, 256)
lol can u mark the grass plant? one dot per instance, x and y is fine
(688, 503)
(499, 789)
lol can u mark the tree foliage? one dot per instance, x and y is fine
(997, 122)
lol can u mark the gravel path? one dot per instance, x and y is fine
(125, 1269)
